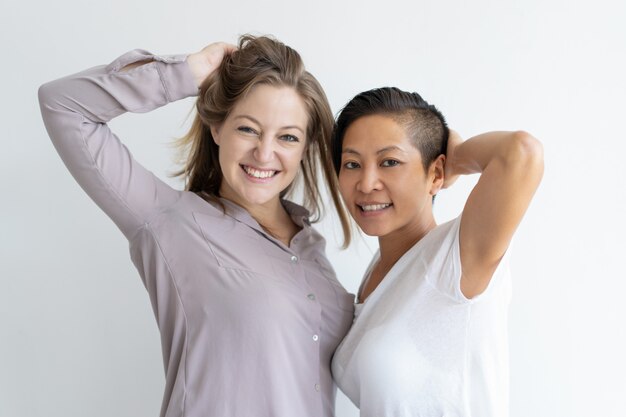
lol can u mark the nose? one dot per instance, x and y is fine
(369, 181)
(264, 150)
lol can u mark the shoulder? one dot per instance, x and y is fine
(445, 271)
(441, 242)
(440, 255)
(445, 231)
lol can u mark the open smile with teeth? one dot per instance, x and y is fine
(374, 207)
(258, 173)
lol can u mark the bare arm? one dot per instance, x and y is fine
(511, 167)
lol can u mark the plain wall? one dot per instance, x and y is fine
(77, 334)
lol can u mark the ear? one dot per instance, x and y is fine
(215, 133)
(436, 174)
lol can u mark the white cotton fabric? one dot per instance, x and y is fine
(418, 347)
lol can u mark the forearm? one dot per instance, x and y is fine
(75, 110)
(104, 92)
(510, 149)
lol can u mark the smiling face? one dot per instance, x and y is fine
(382, 178)
(261, 144)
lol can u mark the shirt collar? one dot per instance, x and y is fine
(298, 214)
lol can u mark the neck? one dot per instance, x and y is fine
(395, 244)
(275, 220)
(268, 214)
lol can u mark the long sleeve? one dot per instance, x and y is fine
(75, 111)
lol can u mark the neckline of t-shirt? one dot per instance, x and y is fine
(404, 259)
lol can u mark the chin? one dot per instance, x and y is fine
(373, 230)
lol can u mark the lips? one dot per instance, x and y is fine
(373, 207)
(259, 173)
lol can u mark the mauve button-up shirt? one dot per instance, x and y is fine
(248, 325)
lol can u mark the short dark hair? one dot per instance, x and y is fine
(423, 122)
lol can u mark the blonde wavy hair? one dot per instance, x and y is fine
(262, 60)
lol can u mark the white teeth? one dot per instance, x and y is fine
(374, 207)
(258, 173)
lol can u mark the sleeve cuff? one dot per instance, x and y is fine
(174, 72)
(176, 76)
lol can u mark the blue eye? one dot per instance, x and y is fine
(389, 163)
(351, 165)
(290, 138)
(247, 129)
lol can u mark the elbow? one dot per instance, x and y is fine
(528, 144)
(526, 151)
(52, 94)
(45, 94)
(48, 95)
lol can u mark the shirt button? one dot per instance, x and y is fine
(315, 337)
(311, 297)
(294, 258)
(317, 387)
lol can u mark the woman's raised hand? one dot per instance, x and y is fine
(203, 63)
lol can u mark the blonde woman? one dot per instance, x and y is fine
(248, 307)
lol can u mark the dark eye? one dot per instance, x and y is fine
(247, 130)
(351, 165)
(290, 138)
(389, 163)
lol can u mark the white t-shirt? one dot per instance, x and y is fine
(419, 347)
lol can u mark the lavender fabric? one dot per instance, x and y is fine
(248, 325)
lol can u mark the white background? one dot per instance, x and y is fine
(77, 335)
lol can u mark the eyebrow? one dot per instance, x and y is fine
(380, 151)
(245, 116)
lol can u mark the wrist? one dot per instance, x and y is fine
(198, 68)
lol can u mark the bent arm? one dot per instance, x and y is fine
(511, 167)
(75, 111)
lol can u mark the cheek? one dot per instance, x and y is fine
(292, 157)
(345, 184)
(225, 156)
(233, 149)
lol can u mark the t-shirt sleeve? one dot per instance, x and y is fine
(76, 110)
(444, 270)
